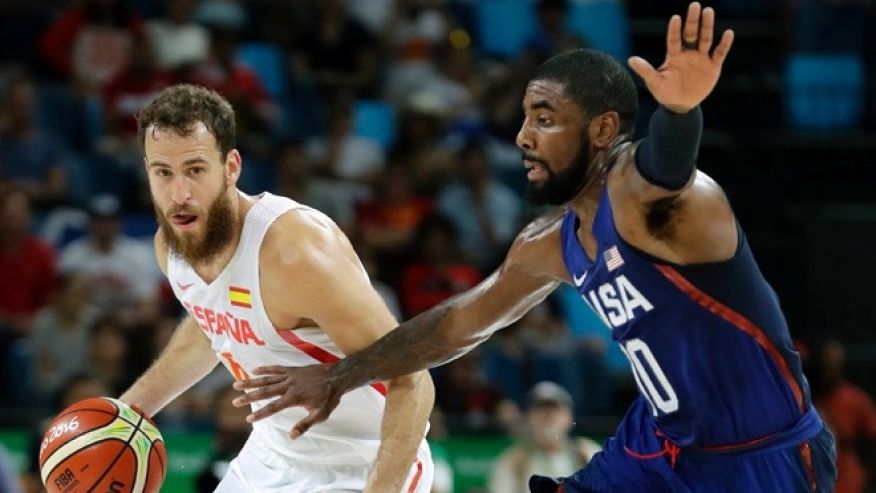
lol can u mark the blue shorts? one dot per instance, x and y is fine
(789, 463)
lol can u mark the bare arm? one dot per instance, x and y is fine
(661, 203)
(331, 288)
(532, 269)
(187, 358)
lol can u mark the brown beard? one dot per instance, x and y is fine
(218, 231)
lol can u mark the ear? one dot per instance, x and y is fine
(603, 129)
(233, 166)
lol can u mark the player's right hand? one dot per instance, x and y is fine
(311, 387)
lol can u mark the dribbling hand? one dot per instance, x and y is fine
(689, 72)
(310, 387)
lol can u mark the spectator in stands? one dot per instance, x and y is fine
(29, 158)
(438, 271)
(60, 335)
(27, 264)
(123, 98)
(178, 41)
(469, 401)
(485, 212)
(450, 77)
(120, 270)
(387, 293)
(130, 89)
(421, 126)
(240, 84)
(389, 220)
(851, 415)
(547, 448)
(335, 52)
(552, 36)
(91, 42)
(108, 356)
(342, 154)
(297, 179)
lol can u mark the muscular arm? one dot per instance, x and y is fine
(187, 358)
(660, 202)
(532, 269)
(330, 287)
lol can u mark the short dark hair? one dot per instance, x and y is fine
(181, 106)
(596, 82)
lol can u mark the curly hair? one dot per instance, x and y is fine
(181, 106)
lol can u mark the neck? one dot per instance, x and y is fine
(587, 201)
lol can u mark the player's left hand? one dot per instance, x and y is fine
(689, 72)
(311, 387)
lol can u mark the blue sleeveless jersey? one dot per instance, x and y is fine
(708, 344)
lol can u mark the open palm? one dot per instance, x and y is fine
(690, 71)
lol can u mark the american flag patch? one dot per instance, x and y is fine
(613, 258)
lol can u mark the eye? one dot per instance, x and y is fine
(196, 171)
(544, 121)
(162, 172)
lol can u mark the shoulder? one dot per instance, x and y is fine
(303, 238)
(537, 249)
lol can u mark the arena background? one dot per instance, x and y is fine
(397, 118)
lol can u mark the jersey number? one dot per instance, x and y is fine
(236, 370)
(640, 356)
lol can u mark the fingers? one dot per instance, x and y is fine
(644, 69)
(692, 23)
(673, 35)
(260, 394)
(315, 416)
(254, 383)
(269, 409)
(707, 29)
(723, 48)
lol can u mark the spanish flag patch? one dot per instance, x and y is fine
(239, 297)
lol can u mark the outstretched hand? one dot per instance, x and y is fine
(689, 72)
(310, 387)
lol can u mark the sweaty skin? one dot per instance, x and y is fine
(702, 229)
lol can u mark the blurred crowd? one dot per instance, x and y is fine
(395, 117)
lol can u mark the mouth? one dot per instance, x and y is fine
(535, 171)
(184, 221)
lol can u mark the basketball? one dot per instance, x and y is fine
(104, 446)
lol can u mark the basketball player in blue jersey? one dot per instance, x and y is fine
(653, 247)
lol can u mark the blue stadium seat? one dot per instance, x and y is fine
(504, 26)
(824, 91)
(268, 61)
(602, 24)
(375, 120)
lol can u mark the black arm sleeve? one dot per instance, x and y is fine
(668, 156)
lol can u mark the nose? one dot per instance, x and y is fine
(179, 190)
(524, 138)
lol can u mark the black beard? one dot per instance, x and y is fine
(561, 187)
(219, 231)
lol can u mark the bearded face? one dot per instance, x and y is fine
(559, 187)
(198, 244)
